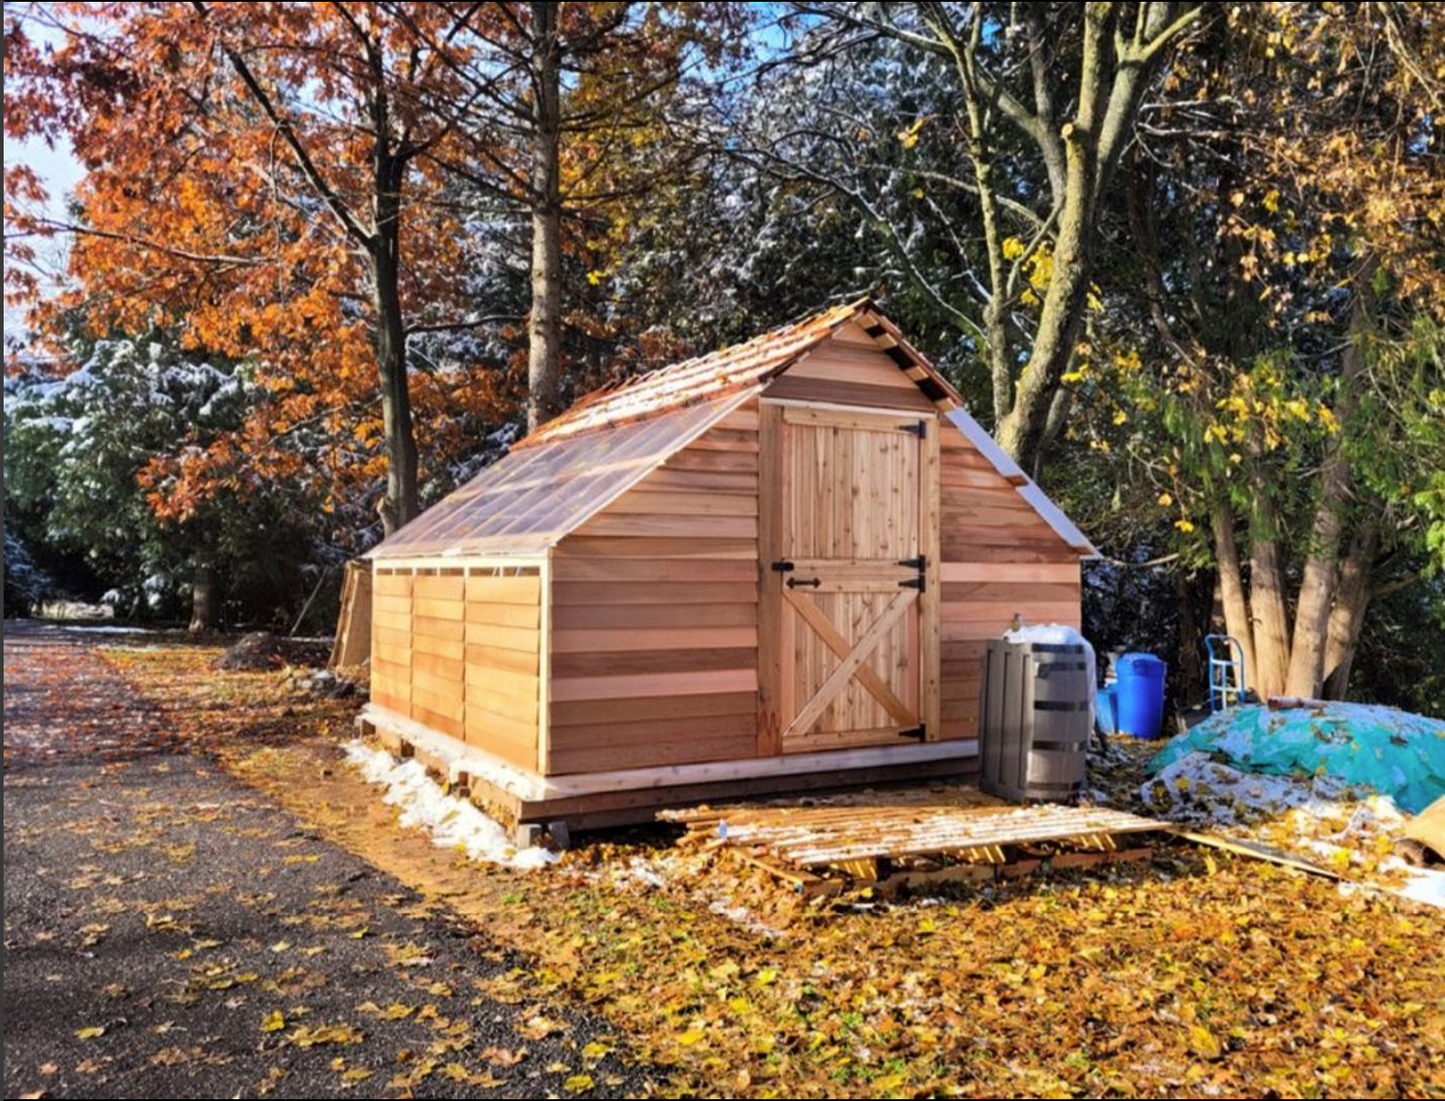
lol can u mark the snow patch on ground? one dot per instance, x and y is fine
(453, 823)
(1350, 828)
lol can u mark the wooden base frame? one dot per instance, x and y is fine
(630, 796)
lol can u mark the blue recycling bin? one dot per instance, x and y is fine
(1140, 694)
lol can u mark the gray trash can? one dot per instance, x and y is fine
(1034, 721)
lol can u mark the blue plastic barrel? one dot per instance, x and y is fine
(1106, 709)
(1140, 694)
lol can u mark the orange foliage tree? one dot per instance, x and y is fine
(270, 180)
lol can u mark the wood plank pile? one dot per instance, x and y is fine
(824, 850)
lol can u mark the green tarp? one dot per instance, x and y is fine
(1394, 752)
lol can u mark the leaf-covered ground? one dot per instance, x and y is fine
(1198, 975)
(170, 931)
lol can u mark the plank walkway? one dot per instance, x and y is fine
(818, 848)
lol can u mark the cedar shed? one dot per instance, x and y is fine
(770, 568)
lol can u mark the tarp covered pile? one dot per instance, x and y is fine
(1392, 752)
(1333, 782)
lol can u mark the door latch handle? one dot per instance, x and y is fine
(810, 583)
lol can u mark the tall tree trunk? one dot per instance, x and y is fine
(203, 598)
(402, 502)
(1231, 584)
(1317, 587)
(1113, 73)
(1022, 430)
(1347, 617)
(544, 356)
(1267, 597)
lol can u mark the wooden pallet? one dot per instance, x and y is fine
(823, 850)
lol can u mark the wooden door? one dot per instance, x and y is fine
(849, 626)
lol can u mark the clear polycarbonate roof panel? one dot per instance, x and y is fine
(527, 500)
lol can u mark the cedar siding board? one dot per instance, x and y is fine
(999, 559)
(655, 615)
(458, 652)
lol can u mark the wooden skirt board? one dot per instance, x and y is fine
(844, 523)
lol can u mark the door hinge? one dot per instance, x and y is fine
(918, 733)
(921, 565)
(919, 429)
(783, 566)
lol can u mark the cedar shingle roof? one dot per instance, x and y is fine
(749, 365)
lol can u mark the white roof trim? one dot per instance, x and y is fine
(1037, 499)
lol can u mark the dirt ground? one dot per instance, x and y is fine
(1195, 975)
